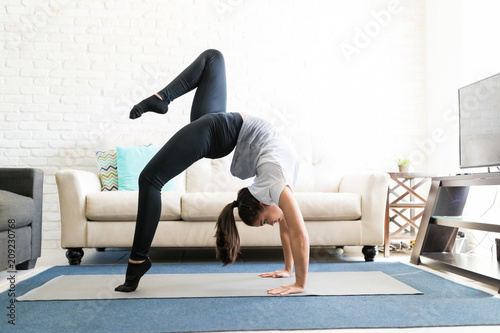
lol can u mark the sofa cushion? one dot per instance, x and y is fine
(206, 206)
(213, 175)
(15, 208)
(122, 206)
(320, 206)
(315, 206)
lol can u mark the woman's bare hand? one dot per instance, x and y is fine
(277, 274)
(286, 290)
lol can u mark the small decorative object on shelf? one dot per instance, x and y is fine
(403, 165)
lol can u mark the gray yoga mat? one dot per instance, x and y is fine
(93, 287)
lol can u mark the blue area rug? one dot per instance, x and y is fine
(443, 303)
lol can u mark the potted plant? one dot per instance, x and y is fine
(403, 164)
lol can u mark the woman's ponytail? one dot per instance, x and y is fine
(227, 237)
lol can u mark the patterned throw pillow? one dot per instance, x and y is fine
(107, 163)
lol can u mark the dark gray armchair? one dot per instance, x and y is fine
(21, 193)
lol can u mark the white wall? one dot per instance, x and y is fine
(443, 58)
(462, 49)
(350, 74)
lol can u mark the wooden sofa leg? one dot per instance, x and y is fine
(74, 256)
(370, 252)
(28, 264)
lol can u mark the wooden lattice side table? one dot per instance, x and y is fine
(407, 205)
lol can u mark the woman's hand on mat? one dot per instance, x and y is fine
(286, 290)
(277, 274)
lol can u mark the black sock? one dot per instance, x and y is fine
(133, 275)
(152, 103)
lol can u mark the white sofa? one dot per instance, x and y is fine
(339, 210)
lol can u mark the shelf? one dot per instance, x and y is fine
(410, 175)
(472, 266)
(403, 237)
(441, 219)
(409, 205)
(465, 223)
(478, 179)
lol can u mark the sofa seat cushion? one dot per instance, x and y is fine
(122, 206)
(320, 206)
(17, 209)
(315, 206)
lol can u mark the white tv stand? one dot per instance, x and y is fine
(441, 219)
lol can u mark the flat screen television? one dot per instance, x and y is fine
(479, 122)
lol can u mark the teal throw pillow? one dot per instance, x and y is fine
(131, 161)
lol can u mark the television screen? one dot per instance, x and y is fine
(479, 117)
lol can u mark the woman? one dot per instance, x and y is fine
(213, 133)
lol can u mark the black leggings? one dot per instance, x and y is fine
(212, 133)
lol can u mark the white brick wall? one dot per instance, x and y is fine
(71, 70)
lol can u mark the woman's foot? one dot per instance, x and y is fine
(153, 103)
(133, 275)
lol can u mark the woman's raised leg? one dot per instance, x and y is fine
(206, 74)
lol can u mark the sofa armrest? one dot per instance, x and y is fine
(22, 181)
(29, 183)
(373, 189)
(73, 187)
